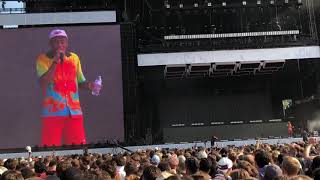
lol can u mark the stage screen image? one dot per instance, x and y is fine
(21, 100)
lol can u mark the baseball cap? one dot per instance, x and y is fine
(155, 159)
(57, 32)
(202, 154)
(224, 164)
(2, 170)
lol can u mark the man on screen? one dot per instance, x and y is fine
(60, 77)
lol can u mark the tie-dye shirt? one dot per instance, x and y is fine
(61, 96)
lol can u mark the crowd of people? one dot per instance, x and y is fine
(296, 161)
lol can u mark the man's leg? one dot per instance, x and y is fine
(52, 131)
(74, 131)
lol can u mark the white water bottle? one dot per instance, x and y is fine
(98, 81)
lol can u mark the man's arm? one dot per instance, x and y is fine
(91, 86)
(48, 76)
(85, 85)
(307, 149)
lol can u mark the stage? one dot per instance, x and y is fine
(182, 145)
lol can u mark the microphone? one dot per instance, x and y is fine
(61, 57)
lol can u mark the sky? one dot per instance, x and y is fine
(13, 4)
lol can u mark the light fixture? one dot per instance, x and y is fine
(224, 4)
(286, 1)
(181, 5)
(196, 5)
(244, 3)
(259, 2)
(166, 4)
(272, 2)
(209, 4)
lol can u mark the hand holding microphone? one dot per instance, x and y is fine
(59, 57)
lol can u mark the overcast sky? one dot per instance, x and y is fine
(13, 4)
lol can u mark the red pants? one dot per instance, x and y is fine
(70, 129)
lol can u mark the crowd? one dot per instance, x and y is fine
(296, 161)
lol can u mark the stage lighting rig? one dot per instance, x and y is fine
(166, 4)
(299, 2)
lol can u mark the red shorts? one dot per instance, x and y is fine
(69, 129)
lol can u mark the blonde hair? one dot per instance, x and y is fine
(275, 155)
(301, 177)
(239, 174)
(291, 166)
